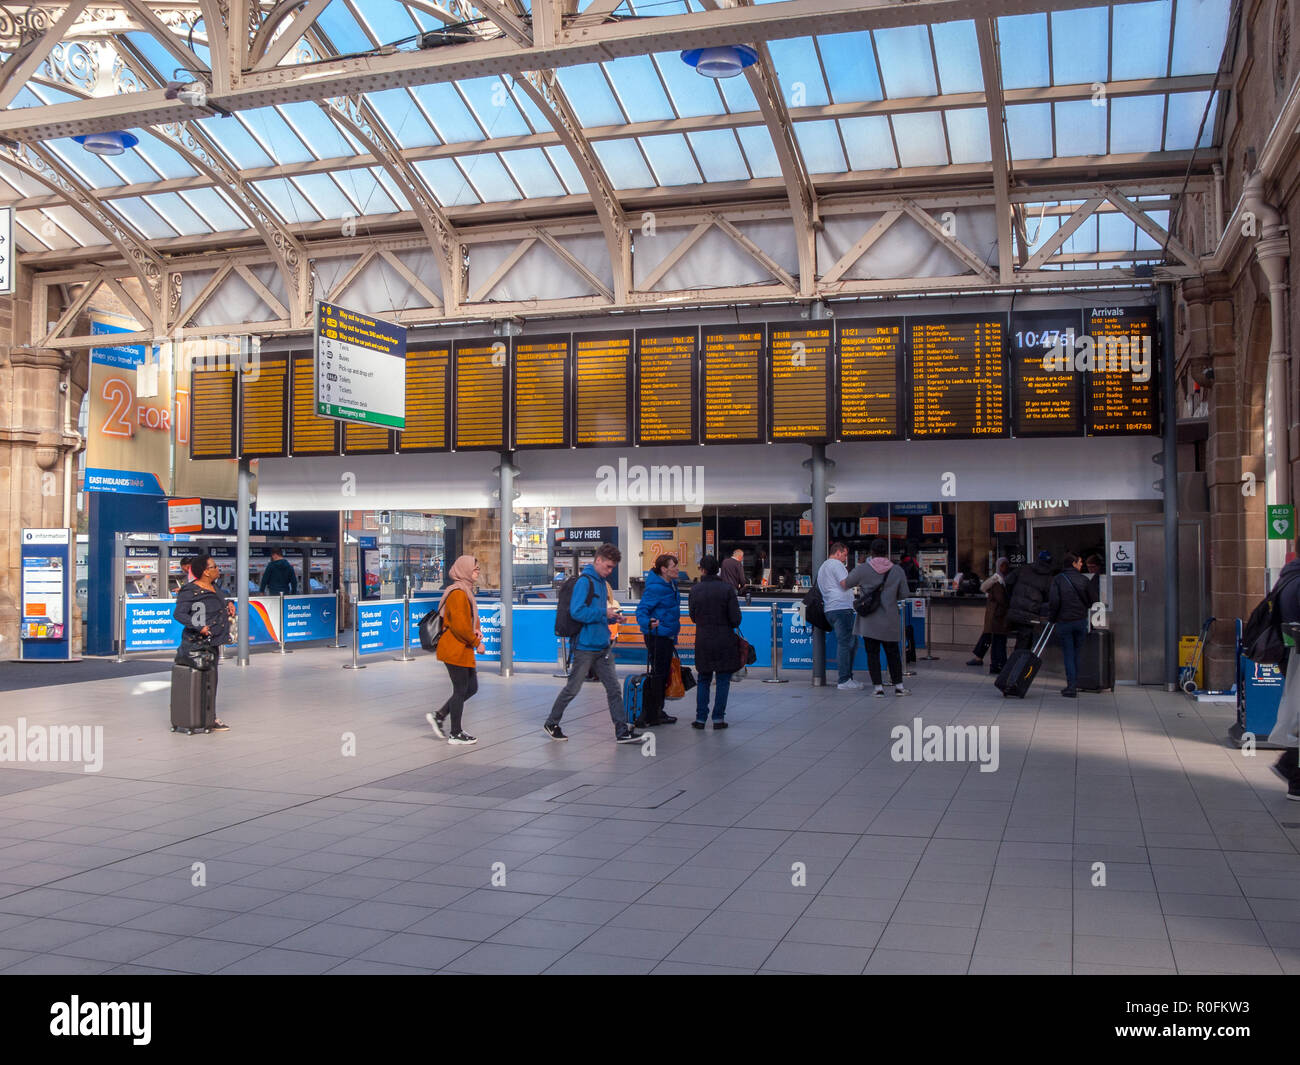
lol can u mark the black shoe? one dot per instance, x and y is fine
(1293, 792)
(220, 726)
(1069, 693)
(995, 672)
(554, 732)
(698, 724)
(435, 722)
(631, 736)
(975, 662)
(461, 739)
(666, 719)
(719, 724)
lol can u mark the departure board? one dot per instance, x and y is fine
(264, 409)
(733, 385)
(479, 394)
(602, 389)
(212, 414)
(1122, 397)
(870, 378)
(541, 377)
(428, 382)
(800, 382)
(958, 381)
(366, 439)
(1046, 392)
(309, 434)
(666, 405)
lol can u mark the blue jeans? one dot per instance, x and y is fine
(845, 644)
(702, 682)
(1071, 634)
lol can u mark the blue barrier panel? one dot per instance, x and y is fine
(797, 644)
(150, 625)
(263, 620)
(379, 626)
(1259, 695)
(310, 617)
(756, 627)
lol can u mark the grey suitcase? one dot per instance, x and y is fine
(193, 699)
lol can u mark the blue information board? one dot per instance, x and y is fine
(309, 617)
(381, 626)
(45, 622)
(150, 625)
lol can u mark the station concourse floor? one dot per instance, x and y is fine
(382, 861)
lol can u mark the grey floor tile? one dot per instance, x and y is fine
(818, 958)
(908, 962)
(1123, 950)
(723, 950)
(582, 963)
(1223, 958)
(835, 932)
(196, 955)
(557, 935)
(504, 959)
(117, 945)
(1216, 930)
(624, 941)
(928, 938)
(456, 923)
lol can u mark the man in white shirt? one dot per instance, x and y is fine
(839, 612)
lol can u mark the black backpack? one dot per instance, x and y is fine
(814, 609)
(430, 629)
(565, 624)
(867, 603)
(1261, 636)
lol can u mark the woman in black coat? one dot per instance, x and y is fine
(202, 612)
(716, 612)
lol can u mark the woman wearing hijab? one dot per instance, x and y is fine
(202, 612)
(461, 636)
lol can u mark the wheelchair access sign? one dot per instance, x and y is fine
(1123, 558)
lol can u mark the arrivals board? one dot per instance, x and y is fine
(1122, 396)
(541, 378)
(263, 409)
(957, 376)
(309, 434)
(212, 414)
(870, 379)
(602, 389)
(800, 382)
(479, 391)
(1046, 396)
(666, 386)
(733, 385)
(428, 383)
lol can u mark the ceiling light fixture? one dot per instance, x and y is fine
(114, 143)
(722, 62)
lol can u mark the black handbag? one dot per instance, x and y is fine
(197, 652)
(868, 603)
(430, 630)
(688, 678)
(748, 656)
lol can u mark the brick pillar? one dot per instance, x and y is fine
(1234, 448)
(33, 445)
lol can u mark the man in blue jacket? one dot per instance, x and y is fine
(589, 605)
(659, 616)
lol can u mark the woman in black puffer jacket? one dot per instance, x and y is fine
(203, 612)
(1068, 603)
(716, 612)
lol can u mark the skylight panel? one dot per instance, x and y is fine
(958, 52)
(274, 135)
(1080, 128)
(1022, 45)
(403, 118)
(79, 233)
(1029, 127)
(316, 130)
(531, 112)
(850, 63)
(1083, 241)
(235, 142)
(819, 143)
(920, 139)
(671, 160)
(691, 94)
(1140, 40)
(1185, 111)
(325, 197)
(447, 181)
(1200, 27)
(639, 89)
(287, 202)
(388, 22)
(342, 29)
(533, 173)
(623, 163)
(374, 189)
(44, 228)
(451, 119)
(906, 62)
(178, 214)
(142, 218)
(719, 155)
(493, 106)
(737, 93)
(130, 164)
(162, 157)
(1146, 242)
(567, 168)
(759, 152)
(968, 135)
(166, 65)
(588, 93)
(869, 143)
(1116, 231)
(490, 179)
(1136, 124)
(213, 208)
(799, 72)
(1080, 51)
(90, 168)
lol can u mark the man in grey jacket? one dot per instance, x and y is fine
(879, 628)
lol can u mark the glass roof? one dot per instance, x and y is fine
(860, 103)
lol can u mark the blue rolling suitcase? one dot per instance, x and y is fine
(634, 699)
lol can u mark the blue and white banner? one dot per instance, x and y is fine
(150, 625)
(381, 626)
(310, 617)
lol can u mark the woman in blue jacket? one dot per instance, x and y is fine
(659, 616)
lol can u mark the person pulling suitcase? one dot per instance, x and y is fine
(205, 618)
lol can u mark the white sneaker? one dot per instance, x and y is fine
(850, 685)
(900, 690)
(880, 690)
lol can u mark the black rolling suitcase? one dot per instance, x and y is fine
(1097, 662)
(1023, 666)
(194, 687)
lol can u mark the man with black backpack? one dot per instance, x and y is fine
(1027, 590)
(584, 616)
(882, 586)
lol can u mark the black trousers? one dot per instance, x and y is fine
(891, 656)
(998, 641)
(464, 685)
(659, 656)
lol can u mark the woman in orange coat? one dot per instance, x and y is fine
(461, 636)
